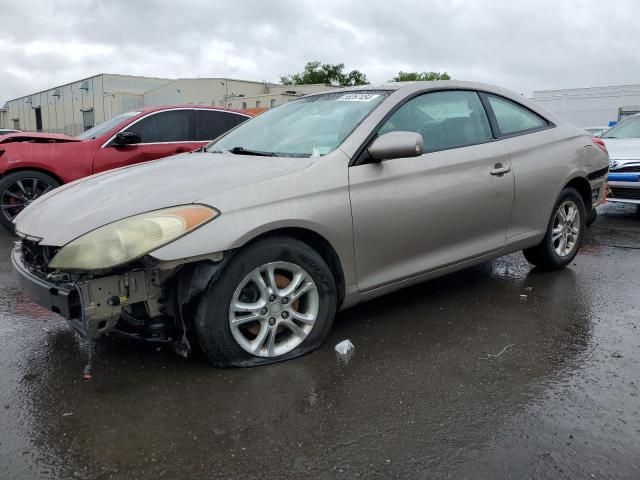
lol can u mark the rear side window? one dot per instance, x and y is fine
(211, 124)
(169, 126)
(445, 120)
(513, 118)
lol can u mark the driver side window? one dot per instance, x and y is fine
(448, 119)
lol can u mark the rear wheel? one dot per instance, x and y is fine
(593, 215)
(564, 233)
(275, 300)
(18, 190)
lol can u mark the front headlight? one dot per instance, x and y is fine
(130, 238)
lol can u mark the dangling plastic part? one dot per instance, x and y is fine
(91, 344)
(88, 369)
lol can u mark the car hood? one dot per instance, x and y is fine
(37, 138)
(623, 148)
(79, 207)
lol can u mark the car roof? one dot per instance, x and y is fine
(424, 85)
(408, 88)
(189, 106)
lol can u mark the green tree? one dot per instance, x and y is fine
(424, 76)
(326, 73)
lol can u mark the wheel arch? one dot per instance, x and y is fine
(33, 169)
(583, 187)
(317, 242)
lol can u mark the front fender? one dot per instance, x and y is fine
(65, 161)
(314, 199)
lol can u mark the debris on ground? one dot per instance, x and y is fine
(496, 355)
(344, 347)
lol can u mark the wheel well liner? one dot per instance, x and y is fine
(583, 187)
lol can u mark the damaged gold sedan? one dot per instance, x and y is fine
(250, 245)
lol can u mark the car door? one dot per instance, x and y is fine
(414, 215)
(162, 133)
(535, 150)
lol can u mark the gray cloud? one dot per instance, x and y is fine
(521, 45)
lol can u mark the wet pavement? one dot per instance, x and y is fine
(499, 371)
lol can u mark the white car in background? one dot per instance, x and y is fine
(623, 143)
(6, 131)
(596, 131)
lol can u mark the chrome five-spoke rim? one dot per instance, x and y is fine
(566, 228)
(274, 309)
(21, 193)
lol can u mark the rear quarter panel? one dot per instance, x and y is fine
(543, 163)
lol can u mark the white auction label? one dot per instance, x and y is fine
(358, 97)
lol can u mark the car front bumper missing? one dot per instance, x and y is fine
(91, 306)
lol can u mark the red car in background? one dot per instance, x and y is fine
(31, 164)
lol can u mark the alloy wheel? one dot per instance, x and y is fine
(19, 194)
(566, 228)
(273, 309)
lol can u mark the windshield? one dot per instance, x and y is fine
(629, 128)
(308, 127)
(104, 127)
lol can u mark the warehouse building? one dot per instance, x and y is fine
(591, 107)
(227, 92)
(275, 95)
(75, 107)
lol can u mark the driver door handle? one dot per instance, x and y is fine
(500, 169)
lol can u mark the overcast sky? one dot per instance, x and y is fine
(522, 45)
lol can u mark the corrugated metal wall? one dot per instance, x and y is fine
(106, 95)
(62, 108)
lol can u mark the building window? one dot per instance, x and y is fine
(16, 123)
(244, 104)
(257, 103)
(87, 119)
(273, 102)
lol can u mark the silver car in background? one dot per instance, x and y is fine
(251, 245)
(623, 143)
(596, 131)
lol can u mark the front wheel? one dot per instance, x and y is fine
(564, 233)
(275, 300)
(18, 190)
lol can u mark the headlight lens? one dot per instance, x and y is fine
(130, 238)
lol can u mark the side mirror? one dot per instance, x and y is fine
(396, 145)
(127, 138)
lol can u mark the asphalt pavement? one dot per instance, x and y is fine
(499, 371)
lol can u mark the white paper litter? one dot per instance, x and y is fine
(344, 347)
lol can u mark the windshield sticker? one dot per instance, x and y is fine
(357, 97)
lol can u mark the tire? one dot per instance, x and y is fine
(233, 346)
(545, 255)
(20, 189)
(593, 215)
